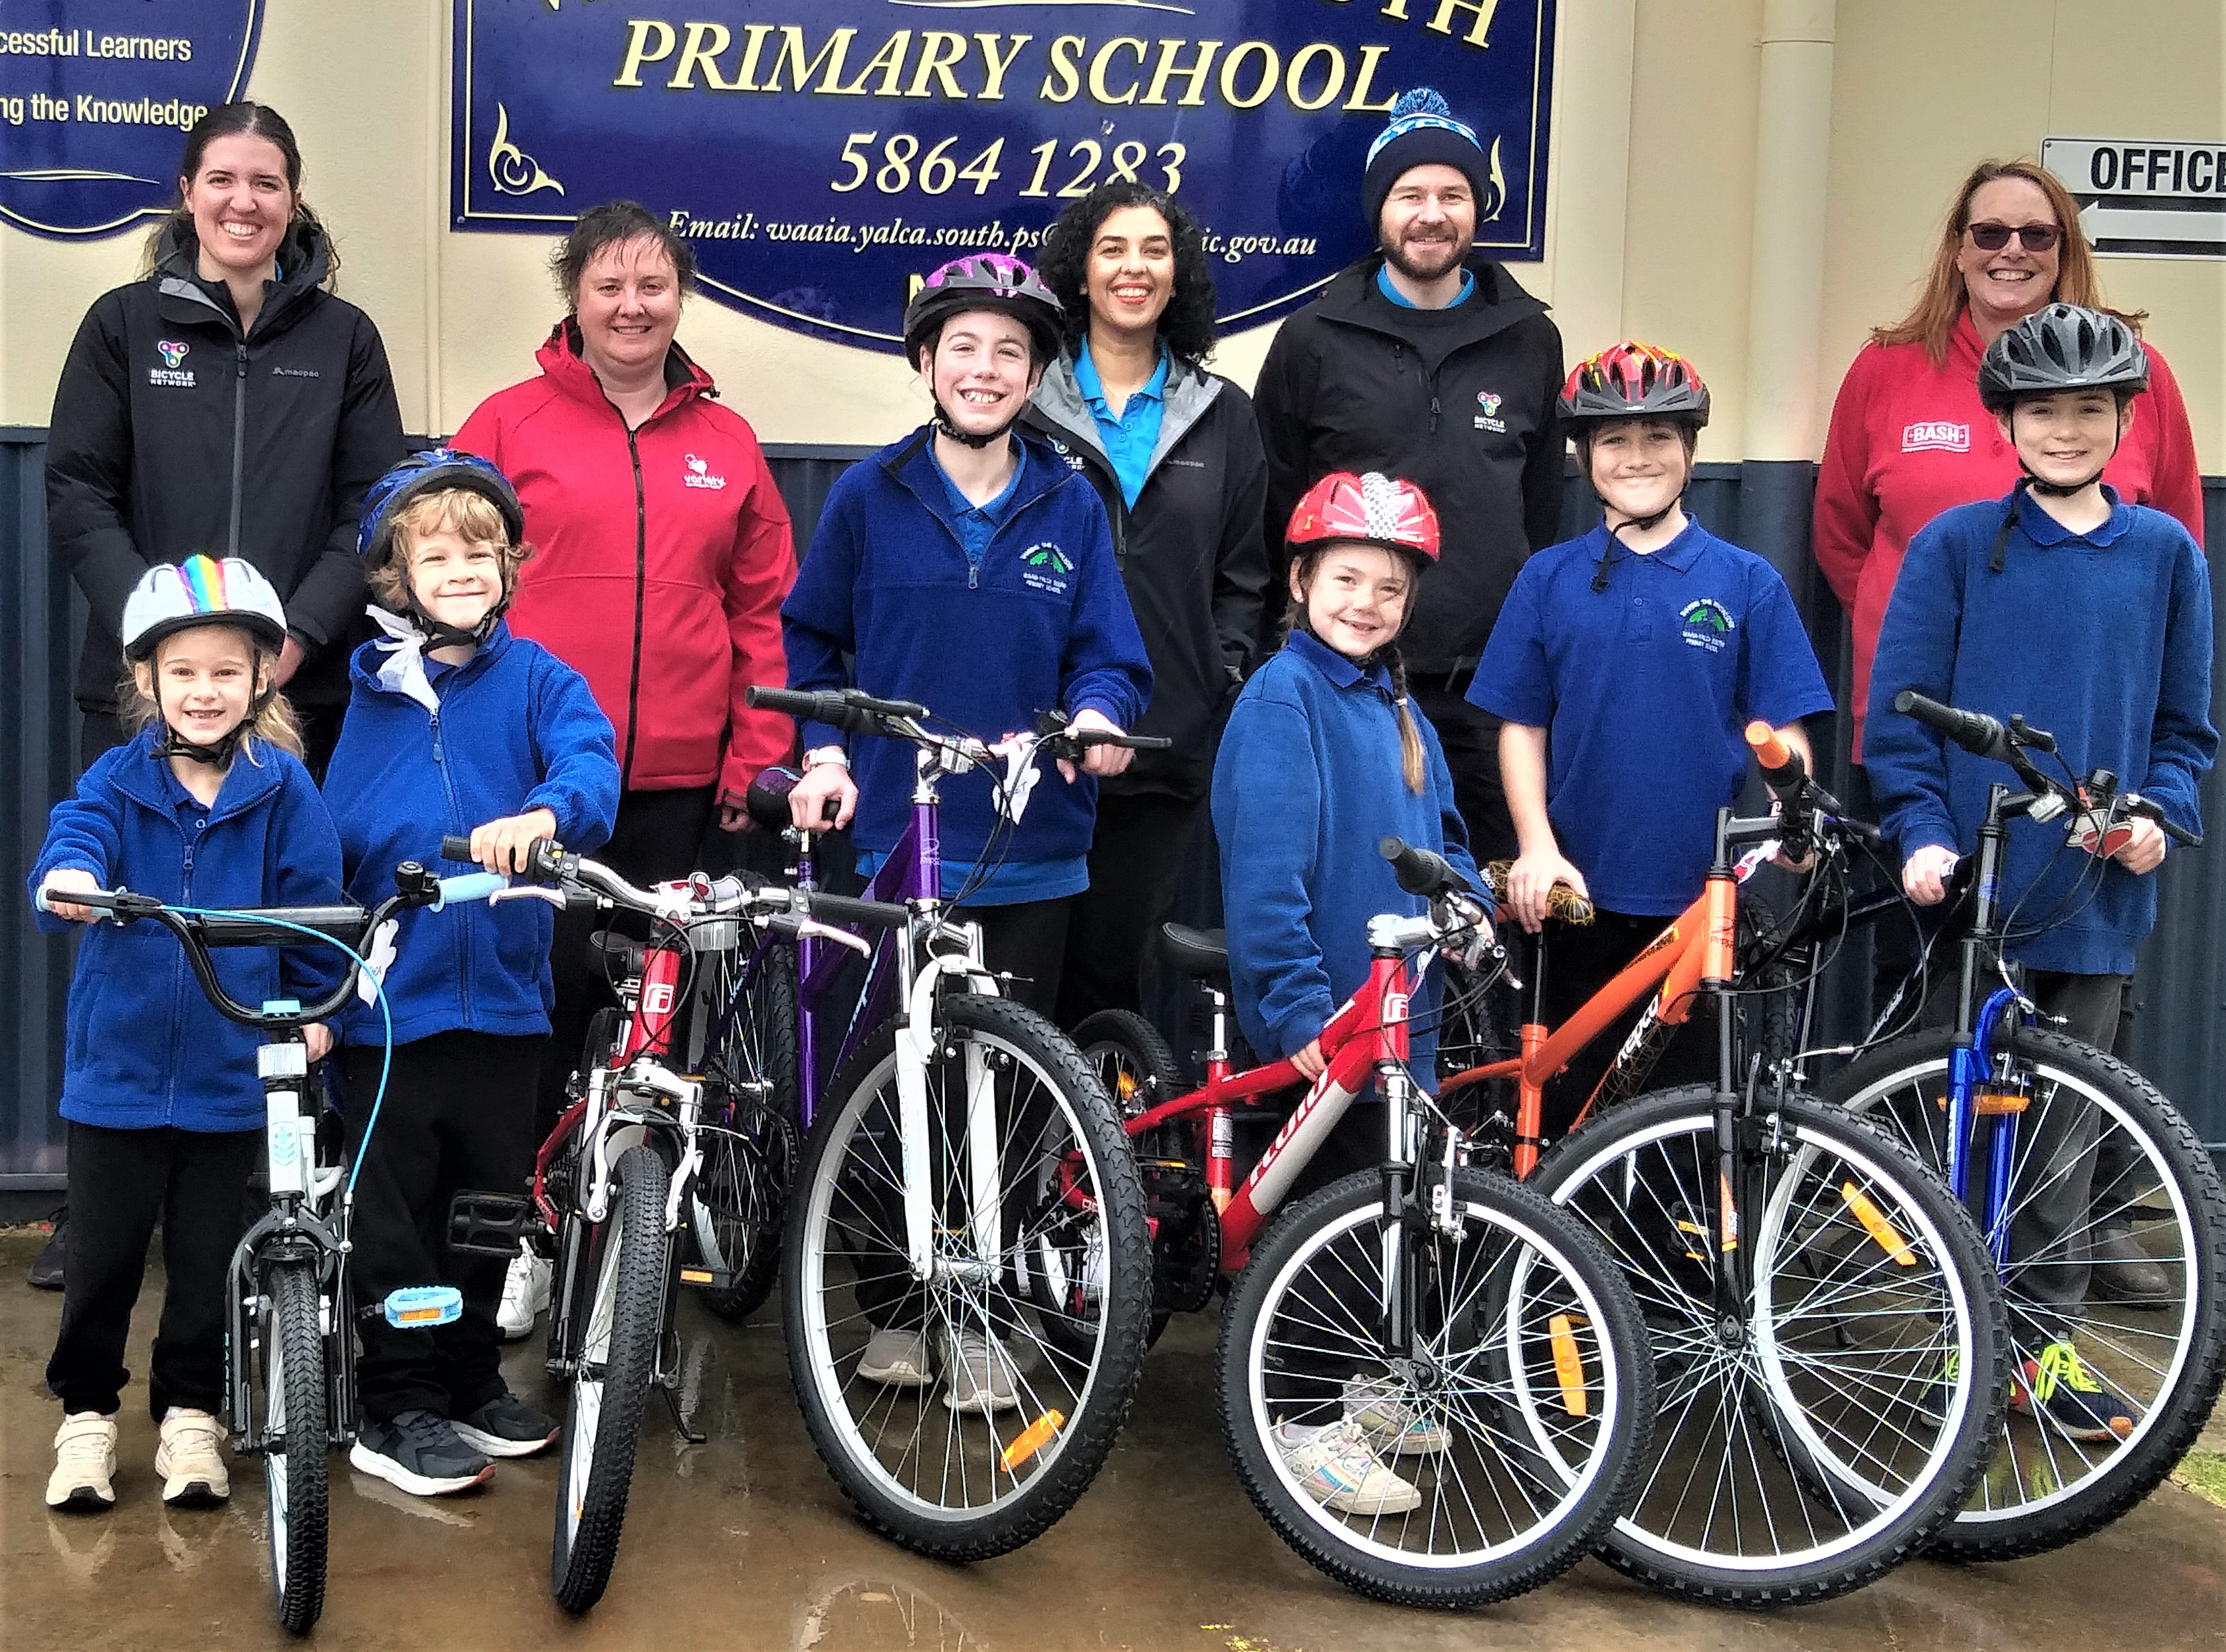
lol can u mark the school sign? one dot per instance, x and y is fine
(820, 156)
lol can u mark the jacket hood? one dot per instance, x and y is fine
(1190, 391)
(562, 356)
(1498, 303)
(305, 261)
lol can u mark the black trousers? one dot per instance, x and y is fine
(120, 1182)
(659, 835)
(1469, 736)
(1581, 959)
(458, 1114)
(1136, 859)
(1028, 941)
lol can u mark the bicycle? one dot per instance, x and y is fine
(290, 1314)
(1828, 1333)
(2016, 1118)
(1484, 1322)
(960, 1150)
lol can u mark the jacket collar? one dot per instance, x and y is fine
(1497, 304)
(1060, 403)
(395, 663)
(143, 776)
(304, 261)
(2035, 523)
(1680, 553)
(910, 467)
(1342, 672)
(564, 361)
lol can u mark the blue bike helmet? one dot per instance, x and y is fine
(426, 473)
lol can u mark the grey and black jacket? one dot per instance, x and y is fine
(1189, 554)
(174, 436)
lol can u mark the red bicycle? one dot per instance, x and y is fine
(1422, 1314)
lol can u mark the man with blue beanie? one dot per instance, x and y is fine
(1426, 362)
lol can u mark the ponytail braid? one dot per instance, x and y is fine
(1412, 765)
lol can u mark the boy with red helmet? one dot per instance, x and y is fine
(1325, 754)
(1626, 665)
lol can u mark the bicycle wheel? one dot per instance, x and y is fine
(628, 1260)
(2089, 1118)
(290, 1345)
(740, 1201)
(1130, 1059)
(988, 1428)
(1813, 1442)
(1520, 1324)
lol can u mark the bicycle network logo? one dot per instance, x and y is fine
(1707, 624)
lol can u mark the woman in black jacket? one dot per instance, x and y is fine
(228, 404)
(225, 404)
(1174, 453)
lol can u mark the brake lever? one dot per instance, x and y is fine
(529, 892)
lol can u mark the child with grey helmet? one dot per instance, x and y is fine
(208, 806)
(454, 727)
(2091, 617)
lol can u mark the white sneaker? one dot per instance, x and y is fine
(1392, 1422)
(524, 1292)
(981, 1372)
(1340, 1471)
(896, 1359)
(85, 1463)
(190, 1460)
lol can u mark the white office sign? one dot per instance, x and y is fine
(2143, 199)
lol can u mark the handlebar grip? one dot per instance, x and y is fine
(843, 909)
(472, 885)
(858, 712)
(1780, 763)
(456, 848)
(1422, 872)
(1974, 731)
(103, 900)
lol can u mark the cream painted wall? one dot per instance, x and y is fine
(1652, 196)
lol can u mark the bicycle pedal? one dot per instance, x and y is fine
(707, 1279)
(489, 1224)
(422, 1307)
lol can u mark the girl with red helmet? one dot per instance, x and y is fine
(1323, 756)
(1627, 664)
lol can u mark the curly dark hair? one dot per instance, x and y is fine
(1186, 326)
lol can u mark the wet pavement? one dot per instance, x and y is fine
(744, 1542)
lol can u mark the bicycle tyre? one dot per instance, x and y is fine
(2007, 1521)
(1298, 1293)
(959, 1508)
(739, 1202)
(629, 1261)
(1139, 1072)
(294, 1419)
(1818, 1503)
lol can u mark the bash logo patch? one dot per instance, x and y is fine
(1489, 419)
(698, 474)
(1707, 623)
(168, 376)
(1935, 435)
(1044, 566)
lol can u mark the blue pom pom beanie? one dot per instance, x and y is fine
(1422, 132)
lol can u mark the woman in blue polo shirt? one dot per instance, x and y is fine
(1626, 665)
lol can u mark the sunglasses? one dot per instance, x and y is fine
(1992, 238)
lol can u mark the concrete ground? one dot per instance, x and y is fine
(744, 1543)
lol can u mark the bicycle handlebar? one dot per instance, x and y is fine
(1422, 872)
(845, 708)
(1802, 799)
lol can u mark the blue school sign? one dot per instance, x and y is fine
(96, 97)
(820, 156)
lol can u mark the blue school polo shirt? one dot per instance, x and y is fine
(1646, 690)
(1132, 435)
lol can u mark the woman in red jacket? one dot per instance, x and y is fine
(662, 553)
(1909, 438)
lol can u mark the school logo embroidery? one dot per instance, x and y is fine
(169, 375)
(1935, 435)
(1707, 625)
(1489, 419)
(1044, 566)
(698, 474)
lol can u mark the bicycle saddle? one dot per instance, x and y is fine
(768, 798)
(1194, 952)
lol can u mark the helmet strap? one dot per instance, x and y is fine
(218, 753)
(964, 438)
(438, 634)
(1643, 523)
(2065, 490)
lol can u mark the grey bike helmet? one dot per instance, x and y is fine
(2062, 348)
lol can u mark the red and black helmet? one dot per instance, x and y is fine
(1633, 380)
(1374, 510)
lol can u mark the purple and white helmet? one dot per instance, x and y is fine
(993, 281)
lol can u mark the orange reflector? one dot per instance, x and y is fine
(1568, 1365)
(695, 1276)
(1729, 1218)
(419, 1316)
(1993, 1103)
(1032, 1440)
(1888, 1237)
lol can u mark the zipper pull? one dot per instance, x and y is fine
(1434, 412)
(973, 576)
(240, 353)
(436, 737)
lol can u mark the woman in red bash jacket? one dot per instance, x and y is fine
(1909, 438)
(661, 555)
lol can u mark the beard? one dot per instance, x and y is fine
(1427, 262)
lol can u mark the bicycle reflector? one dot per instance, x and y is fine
(422, 1307)
(1032, 1440)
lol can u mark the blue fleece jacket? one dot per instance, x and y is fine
(1307, 783)
(2103, 639)
(1040, 622)
(144, 1049)
(513, 729)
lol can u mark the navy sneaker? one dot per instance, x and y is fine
(45, 1273)
(506, 1427)
(420, 1452)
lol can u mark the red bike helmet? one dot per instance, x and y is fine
(1373, 510)
(1633, 380)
